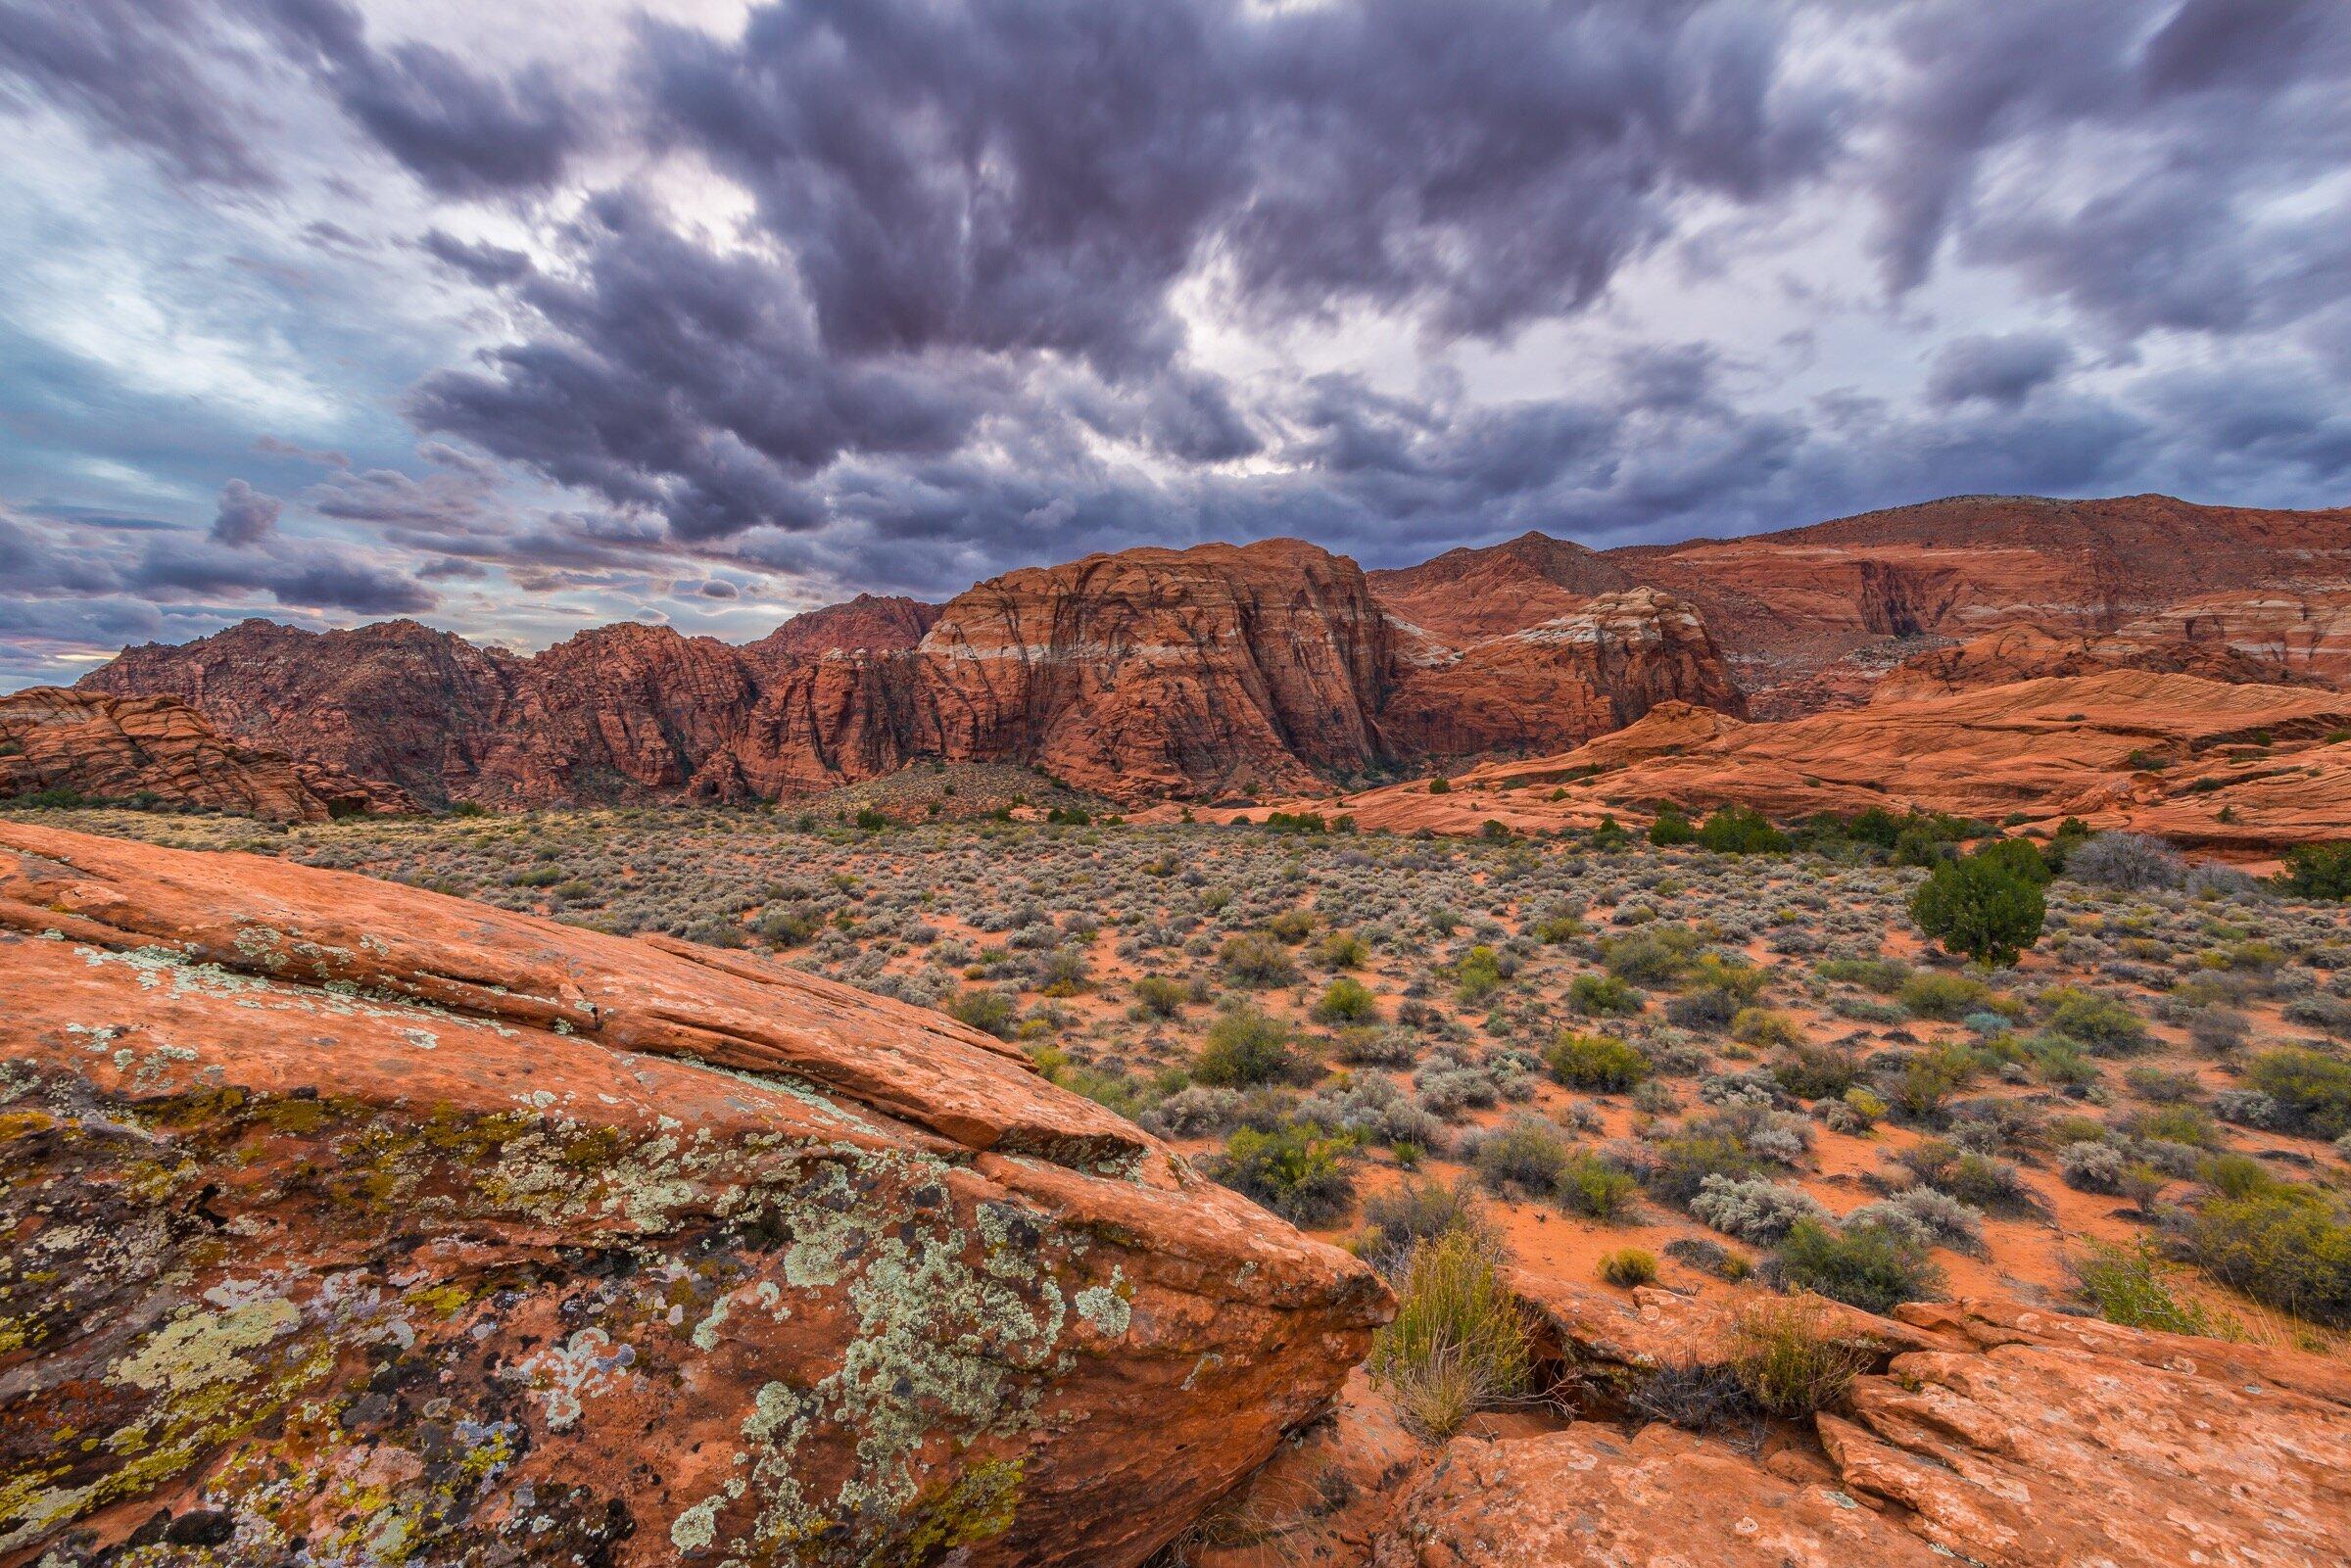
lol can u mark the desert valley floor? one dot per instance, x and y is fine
(1649, 1081)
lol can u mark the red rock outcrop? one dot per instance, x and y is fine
(1465, 596)
(1990, 1432)
(363, 1222)
(2222, 765)
(1583, 674)
(1145, 673)
(114, 748)
(870, 623)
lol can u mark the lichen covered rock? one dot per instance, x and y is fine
(358, 1222)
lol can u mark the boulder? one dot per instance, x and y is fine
(354, 1221)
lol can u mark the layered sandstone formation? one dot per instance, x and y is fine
(119, 748)
(2207, 763)
(1812, 617)
(353, 1222)
(1147, 672)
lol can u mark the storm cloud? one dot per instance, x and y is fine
(703, 313)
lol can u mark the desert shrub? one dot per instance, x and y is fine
(1629, 1267)
(2319, 870)
(2248, 1107)
(1291, 927)
(1650, 958)
(1258, 962)
(1596, 1062)
(1927, 1079)
(1754, 1210)
(1742, 830)
(1761, 1026)
(1924, 1217)
(1375, 1110)
(1590, 1186)
(989, 1012)
(1709, 1256)
(1347, 1001)
(1816, 1071)
(1420, 1210)
(2320, 1011)
(2088, 1166)
(1389, 1047)
(1680, 1166)
(1791, 1360)
(1884, 976)
(2104, 1024)
(1706, 1010)
(1299, 1170)
(1157, 997)
(1195, 1110)
(2018, 856)
(2126, 863)
(1602, 996)
(1980, 907)
(2218, 1030)
(2132, 1286)
(790, 926)
(2313, 1088)
(2220, 884)
(1976, 1179)
(1440, 787)
(1458, 1342)
(1246, 1047)
(2283, 1246)
(1671, 828)
(1342, 950)
(1930, 995)
(1866, 1266)
(1478, 975)
(1526, 1152)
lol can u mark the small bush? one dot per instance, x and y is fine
(1245, 1047)
(2088, 1166)
(1754, 1210)
(1628, 1266)
(1257, 961)
(2319, 870)
(2132, 1286)
(1458, 1342)
(1298, 1170)
(1680, 1166)
(2126, 863)
(1479, 975)
(1742, 830)
(1941, 996)
(1790, 1360)
(1602, 996)
(1671, 828)
(1600, 1063)
(2285, 1247)
(989, 1012)
(1866, 1266)
(1525, 1152)
(1157, 997)
(1816, 1073)
(1347, 1001)
(1416, 1211)
(2101, 1023)
(1761, 1027)
(2313, 1088)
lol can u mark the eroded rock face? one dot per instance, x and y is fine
(1990, 1433)
(107, 747)
(1146, 673)
(406, 1228)
(1579, 675)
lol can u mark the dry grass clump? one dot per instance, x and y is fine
(1459, 1343)
(1790, 1360)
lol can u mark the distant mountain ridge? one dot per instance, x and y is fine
(1278, 667)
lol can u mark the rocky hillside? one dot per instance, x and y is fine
(375, 1226)
(101, 747)
(1811, 617)
(2210, 764)
(1143, 674)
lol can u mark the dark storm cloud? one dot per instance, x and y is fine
(2003, 370)
(185, 79)
(901, 293)
(245, 515)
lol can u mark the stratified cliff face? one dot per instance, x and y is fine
(113, 748)
(1165, 671)
(1583, 674)
(1134, 675)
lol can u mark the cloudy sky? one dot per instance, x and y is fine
(519, 315)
